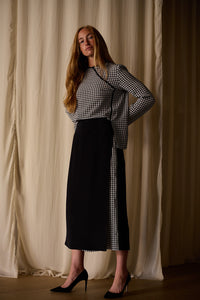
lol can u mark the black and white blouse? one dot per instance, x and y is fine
(97, 97)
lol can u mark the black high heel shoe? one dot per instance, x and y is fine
(110, 295)
(82, 276)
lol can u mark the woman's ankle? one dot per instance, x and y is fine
(121, 272)
(76, 269)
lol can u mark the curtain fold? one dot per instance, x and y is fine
(8, 144)
(37, 134)
(181, 126)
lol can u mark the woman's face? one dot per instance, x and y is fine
(86, 42)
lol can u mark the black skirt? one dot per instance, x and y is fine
(88, 188)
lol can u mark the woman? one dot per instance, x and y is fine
(97, 103)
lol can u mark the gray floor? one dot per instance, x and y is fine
(181, 282)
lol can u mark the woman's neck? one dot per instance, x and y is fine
(91, 61)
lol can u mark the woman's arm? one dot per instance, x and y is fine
(145, 99)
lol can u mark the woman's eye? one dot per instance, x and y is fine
(80, 42)
(90, 37)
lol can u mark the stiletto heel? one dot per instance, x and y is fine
(82, 276)
(110, 295)
(85, 285)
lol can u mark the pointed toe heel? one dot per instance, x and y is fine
(110, 295)
(82, 276)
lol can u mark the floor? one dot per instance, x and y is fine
(181, 282)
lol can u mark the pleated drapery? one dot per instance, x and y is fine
(180, 240)
(36, 135)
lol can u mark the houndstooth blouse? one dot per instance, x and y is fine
(97, 97)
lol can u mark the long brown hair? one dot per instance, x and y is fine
(79, 63)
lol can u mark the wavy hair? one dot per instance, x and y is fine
(79, 63)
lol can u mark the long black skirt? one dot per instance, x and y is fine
(88, 189)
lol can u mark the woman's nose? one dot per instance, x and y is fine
(87, 42)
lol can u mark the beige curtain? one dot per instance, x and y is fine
(36, 134)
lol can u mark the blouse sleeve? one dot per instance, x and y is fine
(72, 117)
(145, 99)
